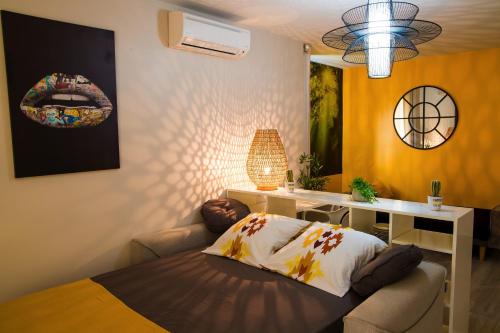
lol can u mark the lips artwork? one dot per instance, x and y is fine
(62, 96)
(66, 101)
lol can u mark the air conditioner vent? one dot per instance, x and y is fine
(198, 34)
(208, 49)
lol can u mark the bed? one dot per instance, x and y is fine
(206, 293)
(189, 291)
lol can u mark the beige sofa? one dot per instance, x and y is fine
(413, 304)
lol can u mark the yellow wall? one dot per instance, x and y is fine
(468, 164)
(334, 183)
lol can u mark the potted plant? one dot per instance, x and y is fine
(310, 178)
(362, 190)
(290, 183)
(435, 201)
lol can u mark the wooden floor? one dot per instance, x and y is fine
(485, 290)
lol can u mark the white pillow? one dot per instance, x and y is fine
(325, 256)
(256, 237)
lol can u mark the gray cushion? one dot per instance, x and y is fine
(170, 241)
(412, 304)
(388, 267)
(220, 214)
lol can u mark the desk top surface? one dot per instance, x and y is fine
(411, 208)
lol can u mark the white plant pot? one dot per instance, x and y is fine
(290, 186)
(435, 203)
(356, 196)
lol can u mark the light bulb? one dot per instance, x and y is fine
(379, 38)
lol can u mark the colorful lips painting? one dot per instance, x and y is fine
(66, 101)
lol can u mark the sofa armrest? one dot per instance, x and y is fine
(413, 304)
(171, 241)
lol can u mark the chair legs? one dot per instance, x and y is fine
(482, 253)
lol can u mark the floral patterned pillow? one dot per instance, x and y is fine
(256, 237)
(325, 256)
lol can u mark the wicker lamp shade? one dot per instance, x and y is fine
(267, 163)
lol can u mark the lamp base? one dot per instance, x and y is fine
(267, 188)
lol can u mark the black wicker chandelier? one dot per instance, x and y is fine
(379, 33)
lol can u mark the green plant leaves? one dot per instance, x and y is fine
(364, 188)
(309, 177)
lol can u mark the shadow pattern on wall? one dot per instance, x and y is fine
(196, 144)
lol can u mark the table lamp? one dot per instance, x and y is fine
(267, 163)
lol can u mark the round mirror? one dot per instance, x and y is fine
(425, 117)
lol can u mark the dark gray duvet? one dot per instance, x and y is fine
(195, 292)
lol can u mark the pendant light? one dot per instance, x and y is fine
(380, 33)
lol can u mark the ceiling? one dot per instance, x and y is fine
(467, 24)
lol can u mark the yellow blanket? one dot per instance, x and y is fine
(82, 306)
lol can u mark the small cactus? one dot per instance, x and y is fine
(436, 188)
(289, 176)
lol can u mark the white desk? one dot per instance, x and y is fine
(401, 231)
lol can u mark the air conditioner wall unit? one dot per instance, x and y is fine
(198, 34)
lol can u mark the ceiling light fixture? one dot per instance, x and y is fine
(379, 33)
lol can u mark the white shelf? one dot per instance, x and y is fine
(447, 294)
(408, 208)
(429, 240)
(306, 205)
(447, 301)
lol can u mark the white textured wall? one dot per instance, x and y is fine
(185, 125)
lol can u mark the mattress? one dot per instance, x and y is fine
(196, 292)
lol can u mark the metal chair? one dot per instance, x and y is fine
(494, 233)
(327, 213)
(494, 241)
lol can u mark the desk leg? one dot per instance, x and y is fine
(399, 224)
(362, 219)
(280, 206)
(461, 274)
(255, 202)
(261, 203)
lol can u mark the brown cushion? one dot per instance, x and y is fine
(220, 214)
(388, 267)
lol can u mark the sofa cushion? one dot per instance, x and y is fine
(408, 305)
(220, 214)
(167, 242)
(390, 266)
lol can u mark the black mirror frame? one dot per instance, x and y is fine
(426, 86)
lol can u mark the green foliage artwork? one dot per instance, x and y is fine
(326, 116)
